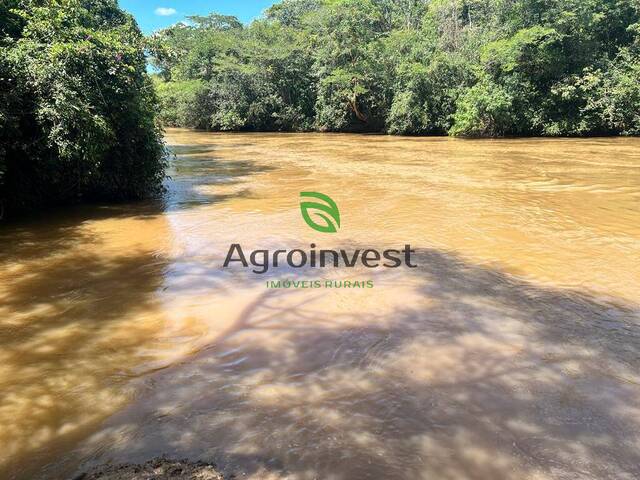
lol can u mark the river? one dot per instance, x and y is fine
(512, 351)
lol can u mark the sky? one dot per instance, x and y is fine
(155, 14)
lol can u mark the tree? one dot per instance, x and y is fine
(463, 67)
(349, 65)
(78, 110)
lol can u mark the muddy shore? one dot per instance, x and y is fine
(156, 469)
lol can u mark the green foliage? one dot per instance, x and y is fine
(604, 100)
(183, 102)
(426, 95)
(256, 80)
(77, 114)
(349, 56)
(290, 13)
(485, 110)
(559, 70)
(459, 67)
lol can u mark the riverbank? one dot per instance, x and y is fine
(156, 469)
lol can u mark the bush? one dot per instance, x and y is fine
(78, 109)
(183, 103)
(485, 110)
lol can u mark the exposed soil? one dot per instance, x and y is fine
(156, 469)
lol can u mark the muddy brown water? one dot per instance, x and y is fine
(511, 352)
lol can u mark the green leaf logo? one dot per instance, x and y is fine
(327, 211)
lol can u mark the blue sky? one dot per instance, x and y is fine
(154, 14)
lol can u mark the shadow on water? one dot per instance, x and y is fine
(75, 318)
(496, 378)
(197, 177)
(69, 332)
(491, 378)
(180, 150)
(192, 182)
(56, 231)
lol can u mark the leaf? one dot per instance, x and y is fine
(329, 208)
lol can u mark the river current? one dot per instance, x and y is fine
(512, 350)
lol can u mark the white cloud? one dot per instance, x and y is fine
(165, 12)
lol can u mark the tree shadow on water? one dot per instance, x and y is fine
(196, 177)
(69, 326)
(72, 332)
(77, 320)
(199, 177)
(487, 377)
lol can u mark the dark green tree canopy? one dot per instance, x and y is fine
(77, 109)
(463, 67)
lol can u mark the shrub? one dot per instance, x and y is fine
(78, 110)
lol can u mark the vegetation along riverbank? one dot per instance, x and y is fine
(459, 67)
(77, 108)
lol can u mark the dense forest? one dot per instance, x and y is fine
(77, 107)
(458, 67)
